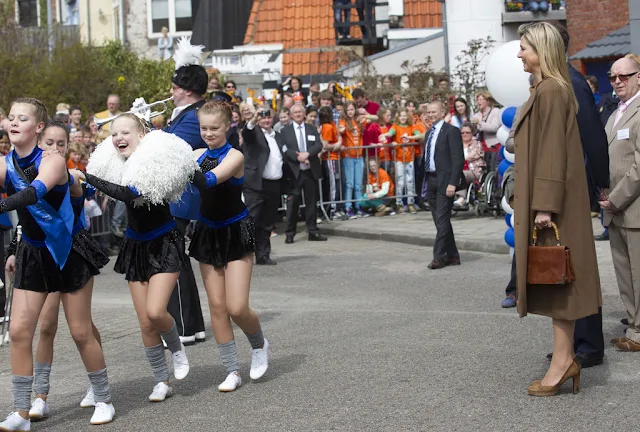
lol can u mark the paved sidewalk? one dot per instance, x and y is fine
(478, 234)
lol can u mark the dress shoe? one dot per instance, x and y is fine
(587, 361)
(628, 345)
(537, 389)
(289, 240)
(452, 261)
(509, 301)
(436, 264)
(265, 261)
(601, 237)
(616, 340)
(624, 321)
(317, 237)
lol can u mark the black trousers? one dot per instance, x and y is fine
(184, 304)
(305, 182)
(263, 206)
(441, 206)
(511, 286)
(587, 335)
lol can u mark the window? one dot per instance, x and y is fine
(176, 15)
(28, 13)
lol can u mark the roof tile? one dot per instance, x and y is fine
(309, 24)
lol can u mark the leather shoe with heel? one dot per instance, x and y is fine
(452, 261)
(317, 237)
(537, 389)
(289, 240)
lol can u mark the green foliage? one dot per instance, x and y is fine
(468, 78)
(75, 74)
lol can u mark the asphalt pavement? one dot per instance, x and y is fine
(363, 337)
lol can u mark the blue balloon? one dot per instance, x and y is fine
(507, 219)
(501, 152)
(504, 165)
(544, 6)
(534, 6)
(510, 237)
(507, 116)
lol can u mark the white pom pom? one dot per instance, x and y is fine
(106, 163)
(187, 54)
(161, 167)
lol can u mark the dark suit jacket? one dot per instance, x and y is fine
(608, 105)
(287, 139)
(256, 154)
(187, 126)
(449, 157)
(594, 138)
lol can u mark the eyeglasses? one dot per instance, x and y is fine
(623, 77)
(231, 86)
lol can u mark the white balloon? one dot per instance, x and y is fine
(505, 206)
(509, 156)
(503, 135)
(512, 251)
(505, 77)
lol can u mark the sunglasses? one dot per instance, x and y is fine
(231, 87)
(623, 77)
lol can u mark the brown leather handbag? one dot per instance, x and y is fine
(549, 265)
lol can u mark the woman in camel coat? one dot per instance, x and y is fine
(551, 185)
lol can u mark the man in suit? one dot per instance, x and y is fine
(262, 175)
(301, 144)
(622, 204)
(189, 83)
(442, 167)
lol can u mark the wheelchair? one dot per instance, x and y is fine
(483, 196)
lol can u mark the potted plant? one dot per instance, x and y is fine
(555, 4)
(513, 6)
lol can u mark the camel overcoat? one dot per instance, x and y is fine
(550, 176)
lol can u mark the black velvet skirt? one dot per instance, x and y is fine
(37, 271)
(92, 252)
(218, 246)
(138, 260)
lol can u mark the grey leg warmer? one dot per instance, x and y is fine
(100, 384)
(256, 340)
(158, 362)
(41, 378)
(22, 392)
(172, 338)
(229, 356)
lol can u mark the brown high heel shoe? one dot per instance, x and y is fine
(537, 389)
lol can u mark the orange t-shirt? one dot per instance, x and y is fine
(420, 127)
(384, 153)
(351, 139)
(329, 133)
(404, 153)
(382, 178)
(72, 165)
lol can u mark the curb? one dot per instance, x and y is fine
(466, 245)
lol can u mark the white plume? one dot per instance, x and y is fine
(161, 167)
(187, 54)
(106, 163)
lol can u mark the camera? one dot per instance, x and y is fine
(264, 114)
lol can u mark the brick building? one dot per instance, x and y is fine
(600, 34)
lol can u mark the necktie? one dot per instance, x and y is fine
(303, 144)
(427, 152)
(622, 107)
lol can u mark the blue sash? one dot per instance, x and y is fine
(82, 222)
(56, 224)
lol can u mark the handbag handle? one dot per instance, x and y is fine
(555, 228)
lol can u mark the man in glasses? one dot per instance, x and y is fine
(262, 175)
(621, 205)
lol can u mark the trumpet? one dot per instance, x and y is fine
(163, 103)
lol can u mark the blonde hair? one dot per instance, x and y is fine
(545, 39)
(486, 95)
(634, 57)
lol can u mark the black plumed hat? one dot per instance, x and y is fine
(191, 77)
